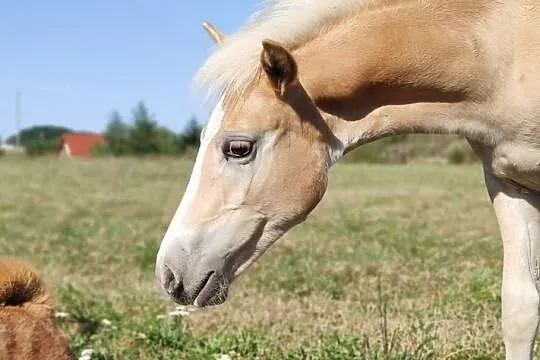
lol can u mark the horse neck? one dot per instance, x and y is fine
(400, 54)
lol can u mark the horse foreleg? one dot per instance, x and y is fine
(518, 215)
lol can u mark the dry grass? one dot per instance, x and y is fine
(397, 262)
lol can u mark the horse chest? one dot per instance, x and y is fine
(518, 165)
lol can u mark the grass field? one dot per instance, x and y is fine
(397, 262)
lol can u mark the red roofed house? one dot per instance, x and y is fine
(78, 144)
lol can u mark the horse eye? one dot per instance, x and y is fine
(237, 148)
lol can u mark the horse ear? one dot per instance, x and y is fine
(214, 32)
(279, 65)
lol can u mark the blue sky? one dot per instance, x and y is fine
(76, 61)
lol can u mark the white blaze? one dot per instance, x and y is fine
(210, 132)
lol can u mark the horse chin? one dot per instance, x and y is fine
(245, 265)
(271, 234)
(216, 291)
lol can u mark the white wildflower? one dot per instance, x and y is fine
(185, 308)
(86, 354)
(106, 322)
(224, 357)
(179, 313)
(141, 335)
(160, 317)
(61, 314)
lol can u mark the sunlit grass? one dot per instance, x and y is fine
(397, 262)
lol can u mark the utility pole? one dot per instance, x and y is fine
(18, 116)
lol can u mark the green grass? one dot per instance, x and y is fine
(411, 148)
(397, 262)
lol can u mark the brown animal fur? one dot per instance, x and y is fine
(27, 328)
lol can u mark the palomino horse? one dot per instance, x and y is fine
(306, 81)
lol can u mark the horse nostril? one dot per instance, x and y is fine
(168, 276)
(174, 286)
(170, 283)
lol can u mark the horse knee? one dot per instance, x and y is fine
(520, 315)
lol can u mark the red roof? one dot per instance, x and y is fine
(80, 144)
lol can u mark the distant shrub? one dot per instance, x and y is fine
(460, 153)
(376, 152)
(34, 150)
(456, 156)
(2, 152)
(401, 149)
(40, 147)
(102, 150)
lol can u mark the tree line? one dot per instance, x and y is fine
(142, 135)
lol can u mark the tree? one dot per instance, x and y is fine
(167, 141)
(117, 128)
(192, 133)
(117, 135)
(47, 133)
(180, 143)
(144, 134)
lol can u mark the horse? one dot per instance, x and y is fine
(304, 82)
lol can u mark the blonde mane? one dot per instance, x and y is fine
(235, 63)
